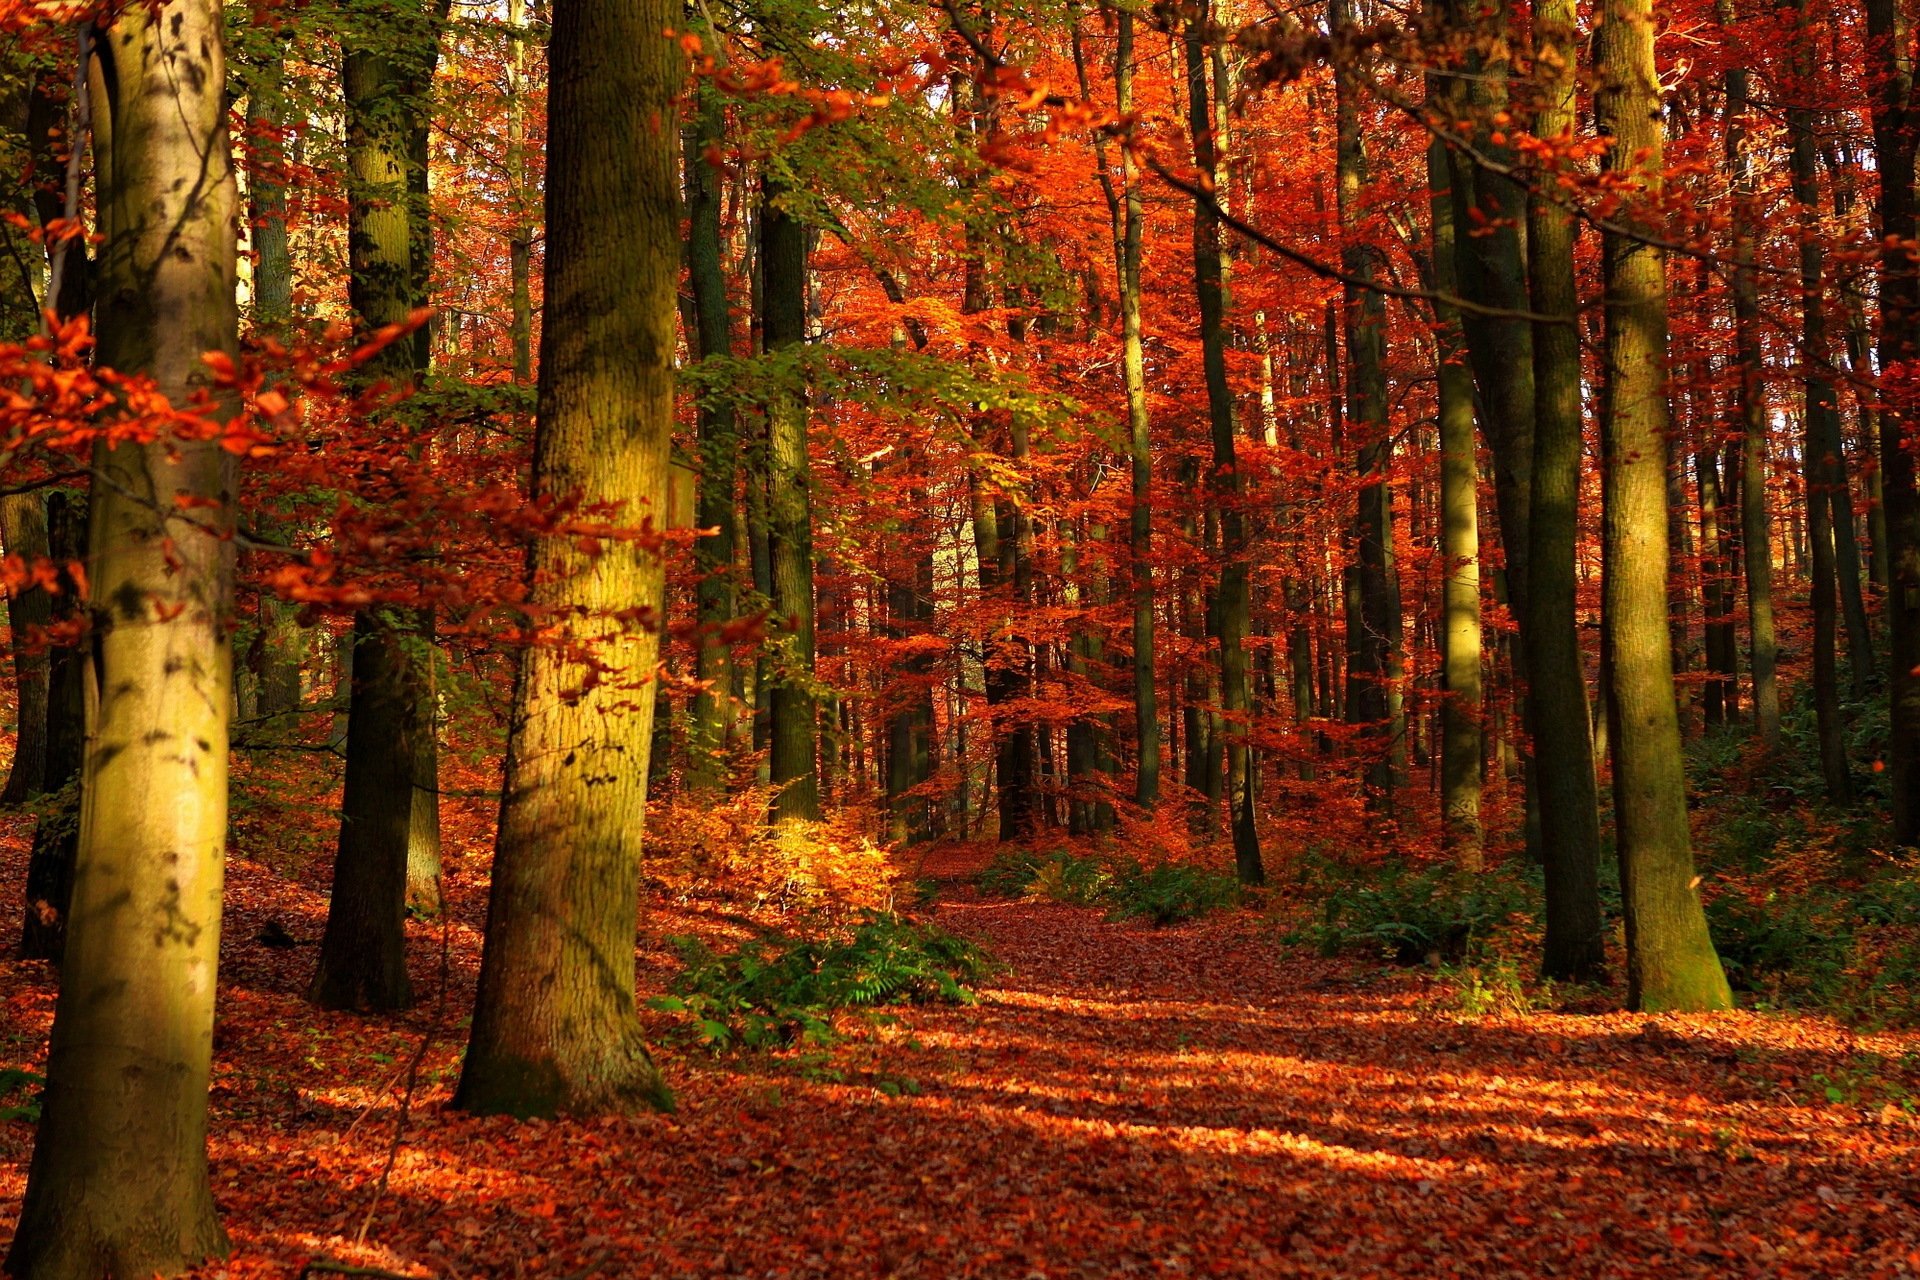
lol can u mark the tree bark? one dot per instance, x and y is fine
(118, 1186)
(23, 533)
(1671, 963)
(792, 735)
(56, 833)
(555, 1025)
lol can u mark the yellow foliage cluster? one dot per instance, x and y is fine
(722, 847)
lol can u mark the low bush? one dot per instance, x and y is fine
(1413, 914)
(776, 990)
(1165, 893)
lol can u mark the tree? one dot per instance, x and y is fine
(1575, 944)
(555, 1026)
(1671, 963)
(363, 954)
(118, 1185)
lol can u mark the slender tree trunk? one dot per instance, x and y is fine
(1233, 605)
(267, 119)
(118, 1186)
(1461, 744)
(23, 533)
(1364, 320)
(555, 1025)
(1824, 478)
(362, 955)
(1575, 943)
(1756, 532)
(520, 234)
(719, 444)
(1671, 963)
(792, 736)
(43, 932)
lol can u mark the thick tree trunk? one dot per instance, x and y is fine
(118, 1185)
(555, 1026)
(1671, 963)
(793, 740)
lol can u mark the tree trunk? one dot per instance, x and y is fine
(363, 954)
(719, 446)
(793, 740)
(118, 1185)
(1364, 424)
(1756, 533)
(23, 533)
(56, 833)
(555, 1025)
(1671, 963)
(1233, 604)
(1824, 479)
(362, 959)
(1461, 743)
(1575, 944)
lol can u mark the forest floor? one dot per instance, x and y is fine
(1123, 1100)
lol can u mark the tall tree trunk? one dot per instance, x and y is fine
(267, 119)
(1824, 478)
(1896, 134)
(793, 741)
(1671, 963)
(1364, 423)
(118, 1186)
(362, 955)
(1756, 532)
(520, 233)
(1492, 267)
(719, 444)
(1233, 604)
(1575, 944)
(1462, 747)
(555, 1025)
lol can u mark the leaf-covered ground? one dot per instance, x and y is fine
(1124, 1100)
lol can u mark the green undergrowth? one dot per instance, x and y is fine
(1167, 893)
(778, 990)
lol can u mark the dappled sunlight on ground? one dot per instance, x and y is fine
(1123, 1100)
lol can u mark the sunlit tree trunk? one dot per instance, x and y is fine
(1462, 746)
(1670, 958)
(555, 1027)
(118, 1185)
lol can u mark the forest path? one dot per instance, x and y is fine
(1122, 1101)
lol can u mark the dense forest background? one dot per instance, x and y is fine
(571, 557)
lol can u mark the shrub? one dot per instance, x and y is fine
(775, 990)
(1060, 875)
(1170, 892)
(1165, 893)
(1414, 915)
